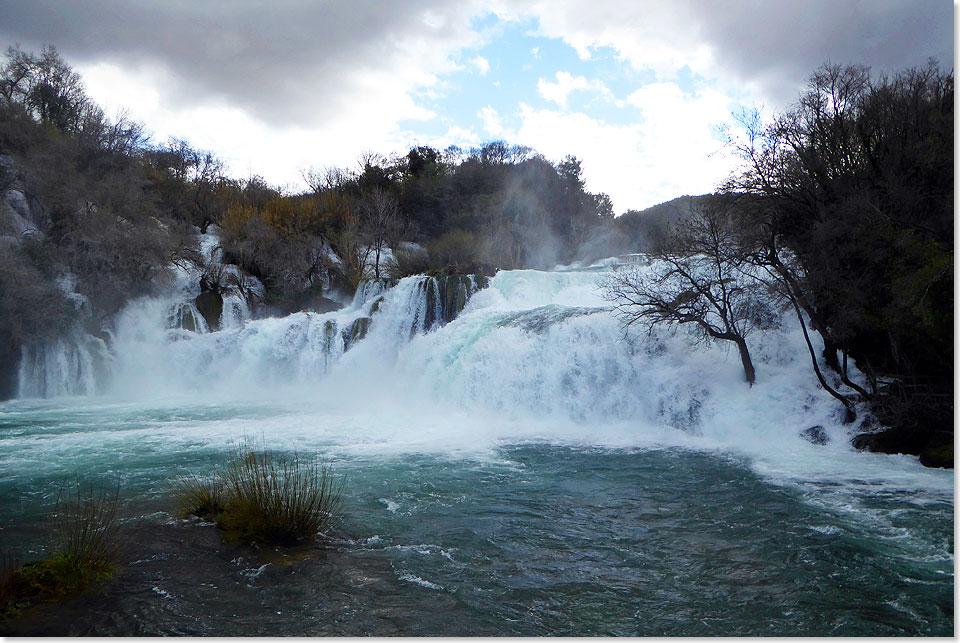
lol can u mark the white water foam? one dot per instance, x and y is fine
(535, 357)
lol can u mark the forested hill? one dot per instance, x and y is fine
(94, 211)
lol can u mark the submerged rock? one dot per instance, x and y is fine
(940, 457)
(815, 435)
(935, 449)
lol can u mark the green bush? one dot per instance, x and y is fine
(262, 496)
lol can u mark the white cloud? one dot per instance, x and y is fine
(313, 84)
(670, 152)
(491, 121)
(459, 136)
(766, 50)
(566, 83)
(307, 115)
(249, 145)
(481, 64)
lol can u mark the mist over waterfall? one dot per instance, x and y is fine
(526, 354)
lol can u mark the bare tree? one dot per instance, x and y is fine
(381, 223)
(352, 250)
(326, 179)
(46, 86)
(699, 277)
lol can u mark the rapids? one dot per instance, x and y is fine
(524, 467)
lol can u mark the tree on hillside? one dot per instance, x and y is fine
(380, 219)
(854, 186)
(698, 278)
(46, 85)
(327, 179)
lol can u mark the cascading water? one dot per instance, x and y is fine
(295, 351)
(75, 364)
(516, 464)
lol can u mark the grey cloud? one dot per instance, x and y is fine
(779, 44)
(304, 62)
(279, 60)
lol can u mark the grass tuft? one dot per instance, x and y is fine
(85, 529)
(204, 498)
(265, 497)
(85, 543)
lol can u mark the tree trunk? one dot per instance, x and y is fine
(829, 350)
(748, 371)
(849, 414)
(846, 380)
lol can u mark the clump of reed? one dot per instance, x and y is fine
(85, 546)
(265, 497)
(85, 528)
(201, 497)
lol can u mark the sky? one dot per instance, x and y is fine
(641, 91)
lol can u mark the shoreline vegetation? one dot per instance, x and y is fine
(841, 213)
(259, 498)
(86, 548)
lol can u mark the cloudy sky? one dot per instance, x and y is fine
(637, 89)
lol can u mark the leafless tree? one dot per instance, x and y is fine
(698, 277)
(326, 179)
(381, 223)
(46, 86)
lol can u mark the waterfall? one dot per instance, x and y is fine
(164, 345)
(75, 364)
(526, 345)
(185, 315)
(543, 353)
(235, 312)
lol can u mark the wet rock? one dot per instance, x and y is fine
(357, 331)
(210, 304)
(888, 441)
(324, 305)
(311, 300)
(934, 448)
(329, 333)
(879, 442)
(183, 317)
(187, 321)
(9, 366)
(940, 457)
(815, 435)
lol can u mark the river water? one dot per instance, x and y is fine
(523, 470)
